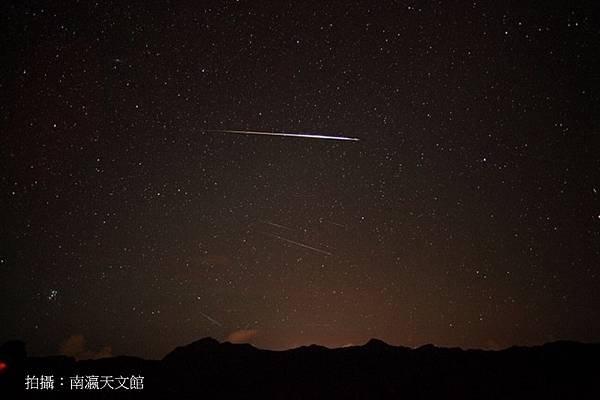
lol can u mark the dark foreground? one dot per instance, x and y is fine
(209, 369)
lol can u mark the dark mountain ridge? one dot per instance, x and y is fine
(207, 368)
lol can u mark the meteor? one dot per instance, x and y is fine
(299, 244)
(214, 321)
(276, 225)
(300, 135)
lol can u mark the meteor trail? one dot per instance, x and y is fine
(301, 135)
(300, 244)
(214, 321)
(276, 225)
(336, 224)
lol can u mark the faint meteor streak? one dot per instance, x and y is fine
(214, 321)
(336, 224)
(300, 244)
(300, 135)
(276, 225)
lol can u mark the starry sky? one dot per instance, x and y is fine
(467, 213)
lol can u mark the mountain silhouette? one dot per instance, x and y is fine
(207, 368)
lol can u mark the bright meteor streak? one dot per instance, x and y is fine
(301, 135)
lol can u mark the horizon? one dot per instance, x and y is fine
(97, 356)
(67, 348)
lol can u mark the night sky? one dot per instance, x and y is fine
(467, 213)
